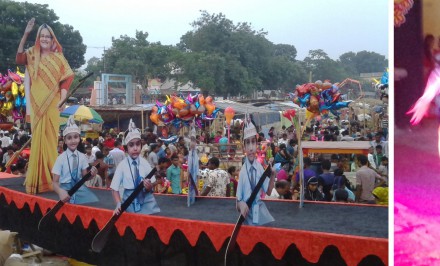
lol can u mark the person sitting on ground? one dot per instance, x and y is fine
(311, 192)
(308, 173)
(280, 191)
(326, 180)
(341, 195)
(381, 195)
(341, 184)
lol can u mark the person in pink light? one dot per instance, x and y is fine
(421, 107)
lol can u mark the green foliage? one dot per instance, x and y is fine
(13, 20)
(139, 58)
(223, 58)
(363, 62)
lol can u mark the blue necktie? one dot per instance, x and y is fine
(136, 173)
(253, 181)
(74, 174)
(140, 198)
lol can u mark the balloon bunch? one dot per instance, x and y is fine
(319, 98)
(382, 85)
(12, 95)
(180, 111)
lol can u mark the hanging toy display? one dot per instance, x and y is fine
(12, 96)
(181, 111)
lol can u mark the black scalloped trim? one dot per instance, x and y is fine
(72, 240)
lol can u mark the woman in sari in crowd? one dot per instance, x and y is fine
(49, 77)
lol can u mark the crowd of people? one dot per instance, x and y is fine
(324, 178)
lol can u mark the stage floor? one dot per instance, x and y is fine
(417, 208)
(347, 219)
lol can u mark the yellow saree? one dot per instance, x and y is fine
(44, 97)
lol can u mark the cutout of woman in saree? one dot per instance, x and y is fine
(49, 77)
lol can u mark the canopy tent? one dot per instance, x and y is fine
(336, 147)
(261, 116)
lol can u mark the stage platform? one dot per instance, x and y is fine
(318, 234)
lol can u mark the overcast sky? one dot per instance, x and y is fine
(336, 26)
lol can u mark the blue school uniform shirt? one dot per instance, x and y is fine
(258, 213)
(124, 170)
(64, 167)
(64, 160)
(125, 175)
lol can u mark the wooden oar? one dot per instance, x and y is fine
(241, 219)
(60, 203)
(15, 155)
(101, 237)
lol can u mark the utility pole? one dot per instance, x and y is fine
(103, 60)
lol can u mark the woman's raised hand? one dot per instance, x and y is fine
(30, 26)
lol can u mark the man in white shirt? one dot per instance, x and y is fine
(371, 157)
(5, 139)
(117, 154)
(346, 136)
(152, 158)
(95, 147)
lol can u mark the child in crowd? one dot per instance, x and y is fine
(233, 176)
(70, 167)
(130, 172)
(250, 173)
(312, 192)
(89, 156)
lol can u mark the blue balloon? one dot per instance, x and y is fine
(18, 102)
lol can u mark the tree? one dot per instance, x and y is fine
(286, 50)
(139, 58)
(348, 61)
(284, 74)
(13, 20)
(247, 53)
(363, 62)
(323, 67)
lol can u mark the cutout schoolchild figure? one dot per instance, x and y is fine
(130, 172)
(70, 167)
(250, 173)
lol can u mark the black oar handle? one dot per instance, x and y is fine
(86, 77)
(241, 218)
(80, 182)
(257, 188)
(136, 192)
(72, 91)
(60, 203)
(100, 239)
